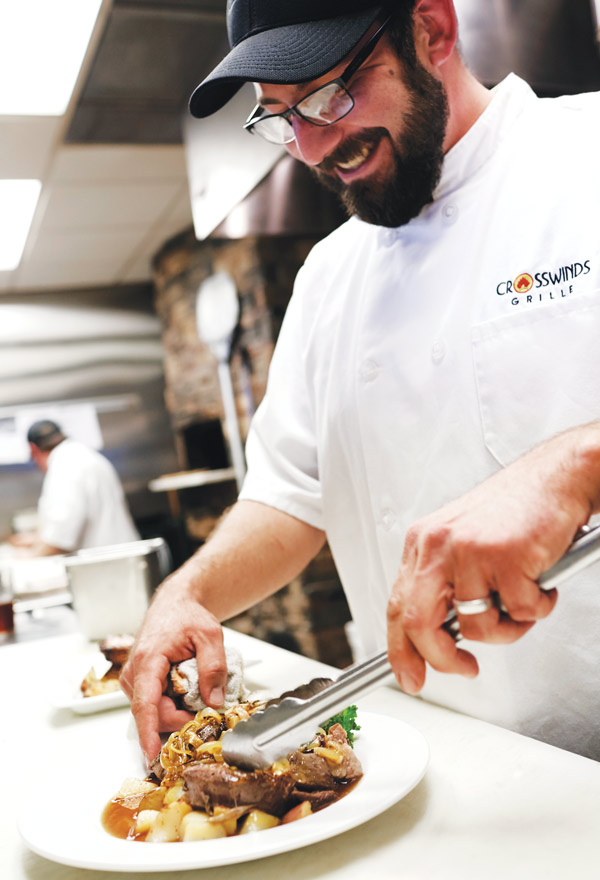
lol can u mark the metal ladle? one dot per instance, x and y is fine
(217, 314)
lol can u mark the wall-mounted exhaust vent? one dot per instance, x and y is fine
(550, 43)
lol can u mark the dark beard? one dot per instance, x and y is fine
(418, 157)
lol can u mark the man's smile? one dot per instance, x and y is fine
(355, 161)
(353, 158)
(387, 174)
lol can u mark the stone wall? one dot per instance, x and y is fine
(309, 614)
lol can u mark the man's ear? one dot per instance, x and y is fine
(36, 454)
(436, 29)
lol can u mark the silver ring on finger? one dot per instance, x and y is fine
(473, 606)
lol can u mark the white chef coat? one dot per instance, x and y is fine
(414, 362)
(82, 502)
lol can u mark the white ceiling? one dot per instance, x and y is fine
(104, 210)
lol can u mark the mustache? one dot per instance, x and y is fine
(349, 148)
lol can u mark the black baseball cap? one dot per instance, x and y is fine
(283, 41)
(45, 434)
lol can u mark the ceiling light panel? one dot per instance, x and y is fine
(42, 47)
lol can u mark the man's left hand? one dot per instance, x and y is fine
(493, 542)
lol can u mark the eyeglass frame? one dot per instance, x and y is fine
(342, 80)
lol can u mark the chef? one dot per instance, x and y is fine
(82, 503)
(433, 399)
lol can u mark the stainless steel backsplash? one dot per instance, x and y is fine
(104, 346)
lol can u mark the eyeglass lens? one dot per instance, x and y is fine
(276, 129)
(321, 107)
(326, 105)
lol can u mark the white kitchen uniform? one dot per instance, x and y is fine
(414, 362)
(82, 502)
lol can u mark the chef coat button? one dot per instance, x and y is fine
(438, 351)
(388, 518)
(388, 237)
(450, 214)
(369, 370)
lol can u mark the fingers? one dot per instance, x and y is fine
(491, 573)
(416, 611)
(149, 677)
(172, 632)
(492, 627)
(164, 718)
(126, 679)
(418, 607)
(524, 600)
(212, 667)
(508, 620)
(170, 717)
(420, 602)
(472, 580)
(409, 666)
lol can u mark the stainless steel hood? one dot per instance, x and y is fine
(550, 43)
(288, 201)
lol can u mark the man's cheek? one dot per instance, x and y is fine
(292, 149)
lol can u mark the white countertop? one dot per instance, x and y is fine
(492, 804)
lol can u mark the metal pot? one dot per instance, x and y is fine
(112, 586)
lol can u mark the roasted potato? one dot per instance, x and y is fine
(167, 825)
(256, 820)
(197, 826)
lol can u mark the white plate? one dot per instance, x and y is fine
(394, 757)
(66, 694)
(89, 705)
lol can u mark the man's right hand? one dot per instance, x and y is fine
(255, 550)
(176, 627)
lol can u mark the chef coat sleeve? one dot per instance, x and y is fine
(61, 508)
(281, 450)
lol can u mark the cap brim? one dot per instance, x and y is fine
(286, 55)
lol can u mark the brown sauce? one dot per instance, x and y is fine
(345, 788)
(119, 815)
(119, 819)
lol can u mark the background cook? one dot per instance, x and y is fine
(82, 503)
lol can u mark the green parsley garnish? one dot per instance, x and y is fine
(347, 719)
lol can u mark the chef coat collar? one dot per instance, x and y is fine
(510, 99)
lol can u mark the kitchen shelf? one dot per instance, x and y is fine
(189, 479)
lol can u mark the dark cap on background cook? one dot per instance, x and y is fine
(283, 41)
(44, 433)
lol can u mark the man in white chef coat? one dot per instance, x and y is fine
(432, 401)
(82, 503)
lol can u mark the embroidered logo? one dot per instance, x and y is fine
(551, 284)
(523, 283)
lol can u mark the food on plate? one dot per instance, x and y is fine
(193, 794)
(183, 688)
(347, 718)
(116, 650)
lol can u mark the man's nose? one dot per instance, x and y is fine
(313, 142)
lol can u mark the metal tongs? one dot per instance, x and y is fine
(289, 722)
(285, 724)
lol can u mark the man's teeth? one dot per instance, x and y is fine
(355, 161)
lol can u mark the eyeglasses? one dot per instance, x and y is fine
(323, 106)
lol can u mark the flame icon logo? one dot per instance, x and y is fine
(523, 283)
